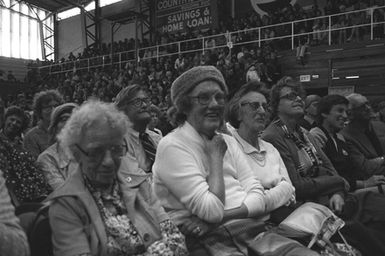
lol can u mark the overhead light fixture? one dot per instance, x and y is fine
(352, 77)
(335, 78)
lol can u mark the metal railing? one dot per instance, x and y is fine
(287, 35)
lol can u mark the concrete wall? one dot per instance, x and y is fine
(71, 30)
(17, 66)
(70, 36)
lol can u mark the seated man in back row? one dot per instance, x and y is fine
(365, 138)
(142, 142)
(332, 114)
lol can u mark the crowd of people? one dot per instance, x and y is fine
(205, 153)
(224, 174)
(287, 13)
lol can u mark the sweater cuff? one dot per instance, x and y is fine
(255, 204)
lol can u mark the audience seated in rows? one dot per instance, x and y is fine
(206, 180)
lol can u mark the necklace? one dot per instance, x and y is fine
(260, 158)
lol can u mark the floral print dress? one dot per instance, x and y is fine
(24, 180)
(122, 236)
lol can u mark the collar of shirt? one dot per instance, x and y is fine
(247, 148)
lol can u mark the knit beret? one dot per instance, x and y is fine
(65, 108)
(187, 81)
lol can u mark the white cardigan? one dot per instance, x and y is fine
(180, 179)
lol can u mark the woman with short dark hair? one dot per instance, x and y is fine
(38, 138)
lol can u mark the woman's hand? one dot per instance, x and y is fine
(194, 227)
(336, 203)
(374, 181)
(215, 150)
(216, 147)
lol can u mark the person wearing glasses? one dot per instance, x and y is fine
(247, 112)
(38, 138)
(54, 162)
(142, 142)
(365, 139)
(204, 182)
(105, 207)
(312, 173)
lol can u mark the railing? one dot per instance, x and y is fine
(284, 35)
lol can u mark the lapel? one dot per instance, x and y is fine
(74, 186)
(361, 140)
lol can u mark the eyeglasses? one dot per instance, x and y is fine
(205, 98)
(255, 105)
(99, 153)
(47, 107)
(138, 102)
(291, 96)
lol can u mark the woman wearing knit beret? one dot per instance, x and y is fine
(54, 161)
(202, 178)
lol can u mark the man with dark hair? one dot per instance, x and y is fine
(38, 138)
(142, 143)
(365, 139)
(15, 123)
(309, 119)
(332, 113)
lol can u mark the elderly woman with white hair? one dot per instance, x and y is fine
(202, 178)
(247, 113)
(101, 209)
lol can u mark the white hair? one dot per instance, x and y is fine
(88, 115)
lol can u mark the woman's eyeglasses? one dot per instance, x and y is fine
(205, 98)
(138, 102)
(291, 96)
(100, 152)
(256, 105)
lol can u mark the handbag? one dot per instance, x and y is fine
(318, 224)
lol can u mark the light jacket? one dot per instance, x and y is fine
(77, 226)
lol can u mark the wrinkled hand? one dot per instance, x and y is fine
(336, 203)
(374, 181)
(190, 227)
(292, 200)
(216, 147)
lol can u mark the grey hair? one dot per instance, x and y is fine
(86, 116)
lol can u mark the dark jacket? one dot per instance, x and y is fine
(361, 149)
(307, 188)
(339, 155)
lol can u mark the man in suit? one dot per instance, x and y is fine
(365, 138)
(142, 143)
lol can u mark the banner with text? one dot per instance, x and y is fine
(178, 15)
